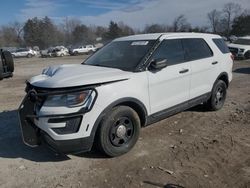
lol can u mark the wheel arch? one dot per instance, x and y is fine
(247, 54)
(134, 103)
(224, 77)
(137, 106)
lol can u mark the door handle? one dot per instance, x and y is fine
(214, 63)
(183, 71)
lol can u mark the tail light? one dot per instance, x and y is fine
(232, 57)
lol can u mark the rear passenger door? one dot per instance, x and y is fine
(204, 66)
(169, 86)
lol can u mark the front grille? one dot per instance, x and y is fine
(39, 103)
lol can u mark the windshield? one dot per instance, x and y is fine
(242, 41)
(124, 55)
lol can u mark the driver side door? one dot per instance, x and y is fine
(170, 86)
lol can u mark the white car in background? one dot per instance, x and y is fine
(47, 52)
(240, 48)
(60, 51)
(23, 52)
(87, 49)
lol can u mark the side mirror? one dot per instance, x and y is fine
(158, 64)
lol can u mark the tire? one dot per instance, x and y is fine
(9, 61)
(218, 96)
(76, 53)
(247, 55)
(29, 56)
(90, 52)
(1, 70)
(119, 131)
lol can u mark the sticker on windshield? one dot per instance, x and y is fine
(139, 43)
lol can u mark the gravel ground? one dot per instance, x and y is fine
(194, 148)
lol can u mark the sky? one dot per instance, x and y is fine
(135, 13)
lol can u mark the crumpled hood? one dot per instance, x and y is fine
(76, 75)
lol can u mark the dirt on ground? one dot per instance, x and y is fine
(194, 148)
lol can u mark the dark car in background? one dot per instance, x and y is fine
(6, 64)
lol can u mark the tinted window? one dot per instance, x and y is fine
(242, 41)
(196, 49)
(221, 45)
(21, 50)
(125, 55)
(171, 50)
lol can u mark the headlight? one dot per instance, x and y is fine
(242, 50)
(69, 100)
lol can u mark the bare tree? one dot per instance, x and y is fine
(214, 19)
(11, 34)
(18, 28)
(100, 31)
(202, 29)
(230, 10)
(126, 30)
(154, 28)
(180, 24)
(1, 39)
(67, 27)
(9, 37)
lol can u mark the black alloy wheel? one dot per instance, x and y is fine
(118, 131)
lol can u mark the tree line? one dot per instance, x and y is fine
(43, 32)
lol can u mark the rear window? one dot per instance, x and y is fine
(221, 45)
(196, 48)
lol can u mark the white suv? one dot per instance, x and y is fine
(88, 49)
(23, 52)
(132, 82)
(240, 48)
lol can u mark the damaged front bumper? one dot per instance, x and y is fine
(26, 112)
(33, 135)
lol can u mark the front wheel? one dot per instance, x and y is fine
(29, 56)
(119, 131)
(218, 96)
(247, 55)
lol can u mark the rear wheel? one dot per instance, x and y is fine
(7, 56)
(29, 56)
(218, 96)
(90, 52)
(1, 70)
(247, 55)
(119, 131)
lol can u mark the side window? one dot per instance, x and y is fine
(171, 50)
(221, 45)
(196, 48)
